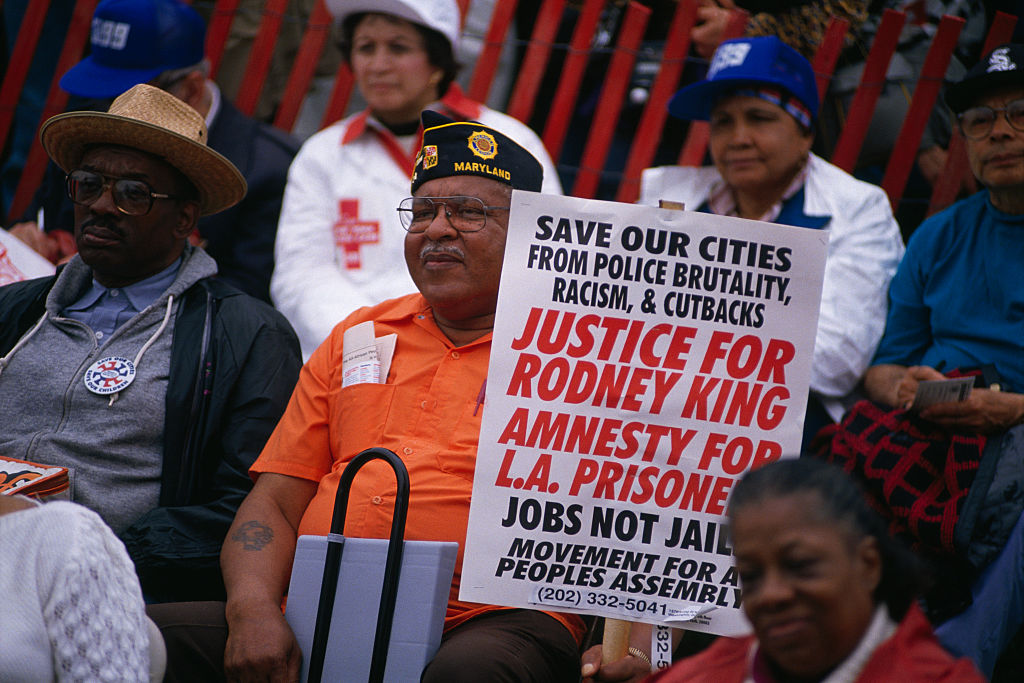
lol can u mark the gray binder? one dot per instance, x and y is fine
(381, 620)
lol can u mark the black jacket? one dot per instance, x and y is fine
(234, 363)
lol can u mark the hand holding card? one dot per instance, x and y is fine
(930, 392)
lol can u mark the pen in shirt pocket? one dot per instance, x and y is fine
(481, 395)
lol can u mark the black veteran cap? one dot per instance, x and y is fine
(469, 148)
(1001, 68)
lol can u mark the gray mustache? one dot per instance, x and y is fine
(435, 248)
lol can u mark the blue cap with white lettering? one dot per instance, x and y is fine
(750, 62)
(134, 41)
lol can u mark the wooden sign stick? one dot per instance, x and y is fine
(615, 643)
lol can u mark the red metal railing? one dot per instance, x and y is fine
(531, 71)
(556, 110)
(56, 100)
(487, 64)
(313, 41)
(613, 93)
(557, 123)
(218, 30)
(871, 83)
(904, 153)
(652, 121)
(260, 55)
(825, 58)
(20, 61)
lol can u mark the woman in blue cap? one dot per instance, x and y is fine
(761, 101)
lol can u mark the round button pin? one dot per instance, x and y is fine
(109, 375)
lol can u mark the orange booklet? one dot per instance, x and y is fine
(31, 479)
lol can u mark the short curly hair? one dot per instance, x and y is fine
(843, 502)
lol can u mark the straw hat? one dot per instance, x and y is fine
(154, 121)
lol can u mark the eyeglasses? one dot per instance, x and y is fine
(977, 122)
(131, 197)
(465, 214)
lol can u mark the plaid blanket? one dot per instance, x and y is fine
(915, 474)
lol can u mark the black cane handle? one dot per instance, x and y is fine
(332, 565)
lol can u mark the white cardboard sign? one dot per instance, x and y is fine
(642, 360)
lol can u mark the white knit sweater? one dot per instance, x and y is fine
(70, 604)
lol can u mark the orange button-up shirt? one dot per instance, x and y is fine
(428, 412)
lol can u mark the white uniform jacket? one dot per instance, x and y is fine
(865, 246)
(339, 241)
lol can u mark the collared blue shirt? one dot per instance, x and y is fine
(105, 309)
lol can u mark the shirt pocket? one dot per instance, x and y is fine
(362, 415)
(458, 457)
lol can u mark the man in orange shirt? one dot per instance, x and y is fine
(428, 411)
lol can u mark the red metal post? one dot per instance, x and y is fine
(260, 56)
(828, 54)
(904, 152)
(956, 166)
(560, 113)
(56, 100)
(217, 32)
(531, 71)
(487, 62)
(312, 46)
(953, 171)
(652, 121)
(697, 138)
(871, 83)
(343, 83)
(613, 92)
(19, 63)
(699, 133)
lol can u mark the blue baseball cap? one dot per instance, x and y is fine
(134, 41)
(748, 62)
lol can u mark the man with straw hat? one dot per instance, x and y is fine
(154, 383)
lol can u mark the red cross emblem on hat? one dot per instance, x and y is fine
(350, 232)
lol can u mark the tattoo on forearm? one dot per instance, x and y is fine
(253, 535)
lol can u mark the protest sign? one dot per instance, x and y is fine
(642, 360)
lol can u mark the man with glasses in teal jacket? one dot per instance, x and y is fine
(957, 303)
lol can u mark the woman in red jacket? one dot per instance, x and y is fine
(830, 595)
